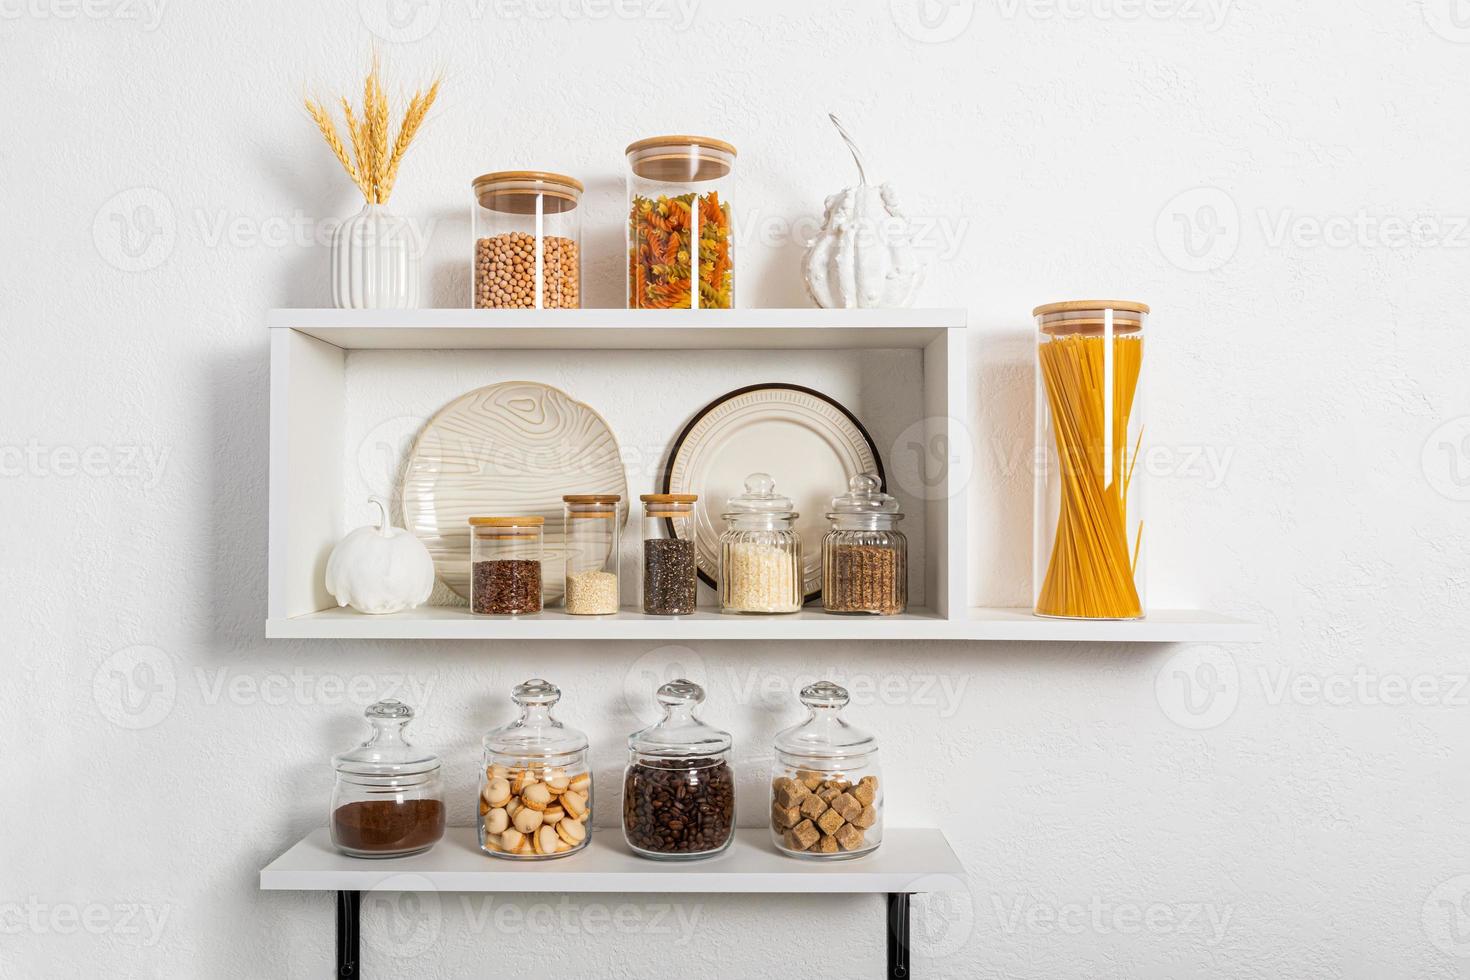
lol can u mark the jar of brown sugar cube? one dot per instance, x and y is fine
(826, 787)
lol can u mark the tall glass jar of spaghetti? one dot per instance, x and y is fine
(1089, 521)
(681, 253)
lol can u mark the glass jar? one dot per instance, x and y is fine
(826, 787)
(679, 789)
(1088, 551)
(591, 569)
(505, 565)
(678, 194)
(670, 576)
(535, 784)
(389, 797)
(760, 551)
(865, 564)
(528, 234)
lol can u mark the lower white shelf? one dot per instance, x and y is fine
(976, 624)
(909, 860)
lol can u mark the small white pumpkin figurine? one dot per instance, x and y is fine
(380, 569)
(862, 258)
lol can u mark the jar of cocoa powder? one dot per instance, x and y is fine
(528, 234)
(389, 797)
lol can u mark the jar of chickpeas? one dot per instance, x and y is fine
(528, 230)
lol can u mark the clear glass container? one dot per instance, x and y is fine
(679, 788)
(506, 555)
(1088, 553)
(826, 787)
(760, 551)
(389, 797)
(670, 571)
(591, 569)
(678, 195)
(528, 241)
(535, 784)
(865, 563)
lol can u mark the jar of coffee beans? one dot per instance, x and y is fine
(679, 789)
(505, 565)
(826, 789)
(528, 231)
(535, 784)
(865, 567)
(670, 570)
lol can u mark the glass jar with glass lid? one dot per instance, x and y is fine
(679, 789)
(760, 551)
(505, 565)
(826, 792)
(681, 253)
(864, 558)
(535, 785)
(389, 796)
(528, 232)
(591, 537)
(670, 570)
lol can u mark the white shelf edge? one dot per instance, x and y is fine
(976, 625)
(464, 319)
(915, 860)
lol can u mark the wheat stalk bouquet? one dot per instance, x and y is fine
(373, 163)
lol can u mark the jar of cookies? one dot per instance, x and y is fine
(680, 247)
(528, 232)
(679, 788)
(535, 785)
(760, 551)
(826, 789)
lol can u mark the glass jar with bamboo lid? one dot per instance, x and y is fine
(670, 572)
(506, 554)
(528, 241)
(591, 536)
(681, 252)
(1088, 553)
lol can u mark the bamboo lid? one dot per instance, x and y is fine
(1092, 306)
(705, 142)
(669, 498)
(516, 191)
(592, 498)
(507, 521)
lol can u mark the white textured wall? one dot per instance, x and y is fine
(162, 189)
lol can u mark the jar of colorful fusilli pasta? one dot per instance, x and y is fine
(681, 252)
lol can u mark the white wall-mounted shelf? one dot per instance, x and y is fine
(906, 859)
(456, 623)
(331, 368)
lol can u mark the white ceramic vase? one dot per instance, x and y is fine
(375, 262)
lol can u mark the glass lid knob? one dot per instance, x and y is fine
(680, 691)
(389, 709)
(824, 694)
(536, 691)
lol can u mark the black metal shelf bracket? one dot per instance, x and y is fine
(898, 936)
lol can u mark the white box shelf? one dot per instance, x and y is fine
(906, 369)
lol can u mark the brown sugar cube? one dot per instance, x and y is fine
(865, 792)
(812, 806)
(839, 784)
(811, 780)
(788, 793)
(805, 834)
(867, 818)
(827, 845)
(788, 840)
(828, 794)
(784, 817)
(849, 837)
(847, 807)
(829, 822)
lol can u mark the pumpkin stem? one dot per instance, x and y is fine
(857, 157)
(384, 525)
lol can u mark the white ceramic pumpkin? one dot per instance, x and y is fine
(380, 569)
(863, 257)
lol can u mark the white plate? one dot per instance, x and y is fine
(506, 450)
(809, 443)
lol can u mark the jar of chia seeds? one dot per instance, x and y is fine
(670, 578)
(506, 556)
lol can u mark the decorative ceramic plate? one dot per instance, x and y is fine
(507, 450)
(809, 443)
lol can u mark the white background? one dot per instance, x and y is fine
(1283, 182)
